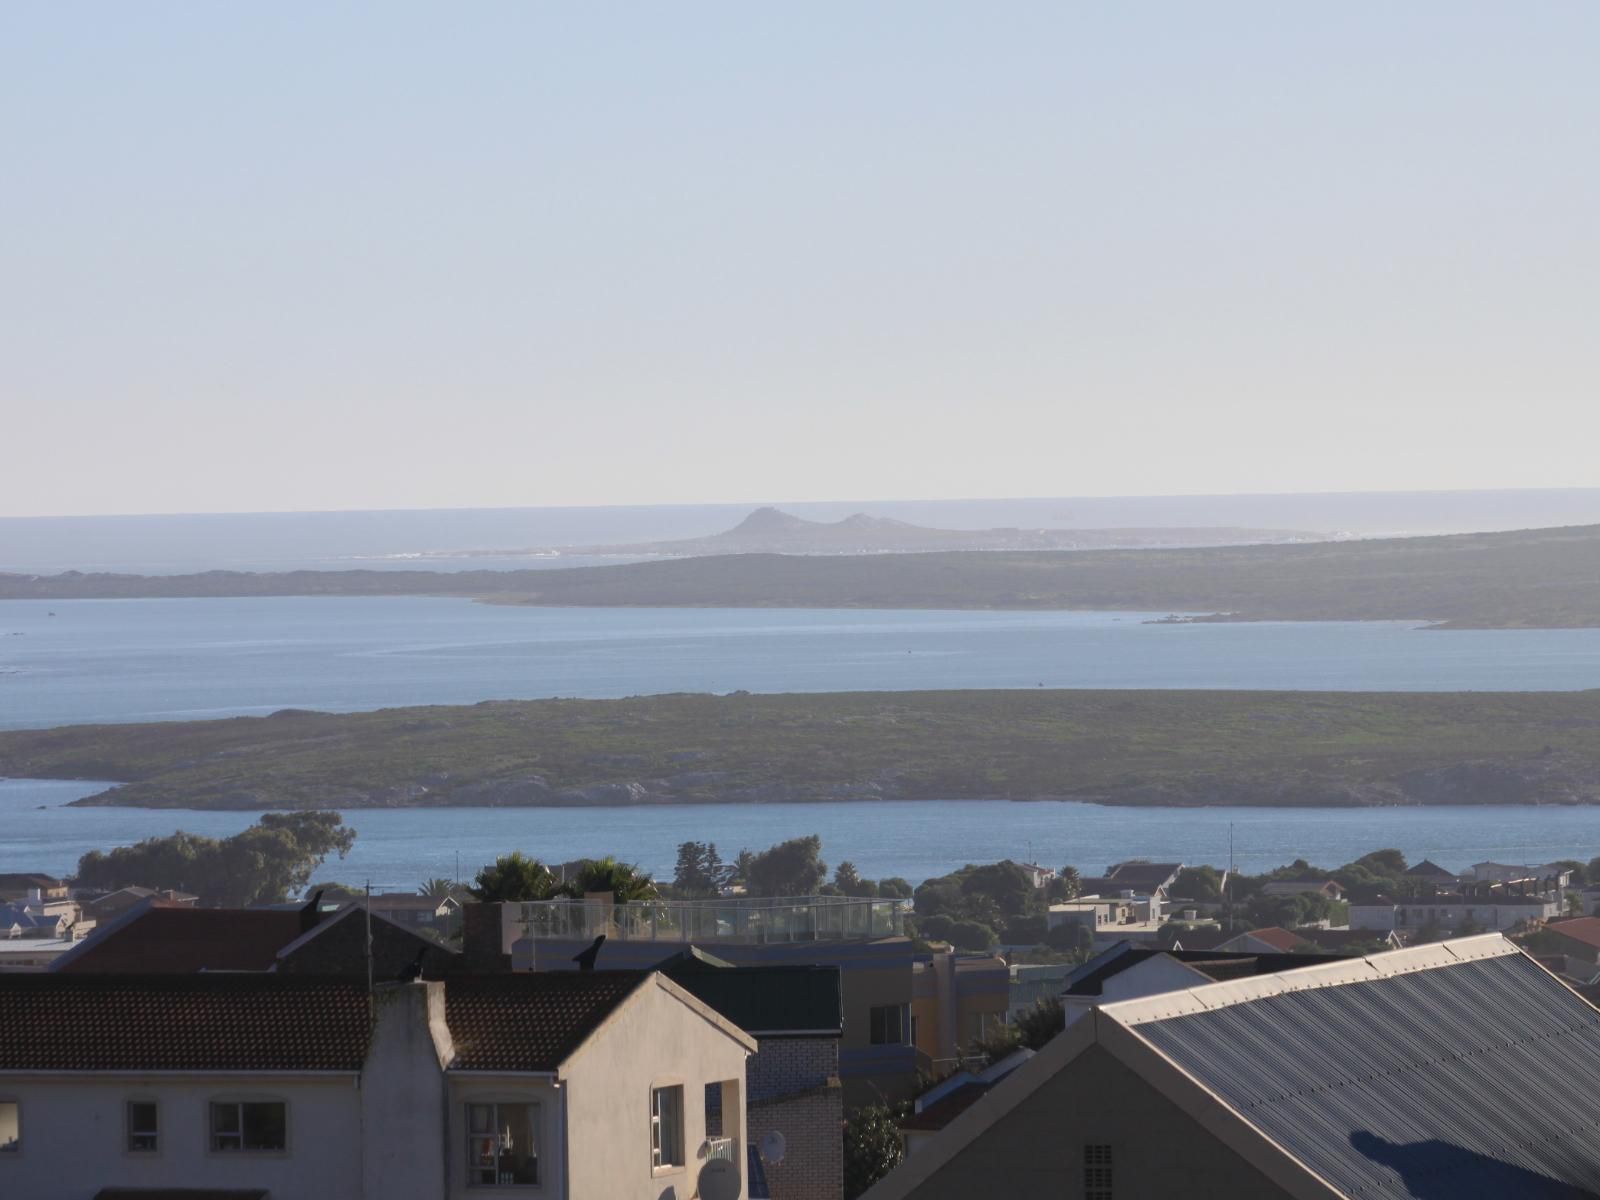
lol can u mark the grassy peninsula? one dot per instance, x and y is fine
(1113, 747)
(1543, 578)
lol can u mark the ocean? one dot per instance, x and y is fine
(398, 848)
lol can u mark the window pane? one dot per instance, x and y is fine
(266, 1126)
(667, 1106)
(10, 1127)
(876, 1033)
(142, 1128)
(502, 1144)
(224, 1118)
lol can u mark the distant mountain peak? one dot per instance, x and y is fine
(765, 522)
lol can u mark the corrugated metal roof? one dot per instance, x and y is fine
(1468, 1078)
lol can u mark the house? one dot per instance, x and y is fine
(1037, 875)
(1328, 888)
(166, 938)
(1429, 871)
(1495, 907)
(1126, 972)
(26, 885)
(1136, 875)
(957, 1000)
(296, 1088)
(114, 904)
(1578, 938)
(1109, 920)
(17, 921)
(1551, 874)
(1320, 1083)
(440, 914)
(792, 1088)
(864, 938)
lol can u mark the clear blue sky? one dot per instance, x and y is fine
(297, 256)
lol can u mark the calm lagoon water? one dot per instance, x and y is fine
(396, 849)
(70, 662)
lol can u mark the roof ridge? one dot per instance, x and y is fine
(1225, 993)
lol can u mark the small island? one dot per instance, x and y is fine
(1156, 748)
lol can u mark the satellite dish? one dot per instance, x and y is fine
(772, 1147)
(719, 1180)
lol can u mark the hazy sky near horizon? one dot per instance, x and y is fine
(308, 256)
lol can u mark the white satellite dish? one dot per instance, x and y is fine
(719, 1180)
(772, 1147)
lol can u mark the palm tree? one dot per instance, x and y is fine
(514, 877)
(437, 888)
(623, 880)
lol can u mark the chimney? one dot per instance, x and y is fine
(482, 947)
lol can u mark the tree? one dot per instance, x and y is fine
(515, 877)
(1067, 884)
(1039, 1024)
(624, 881)
(1004, 883)
(872, 1148)
(850, 883)
(972, 935)
(1198, 883)
(265, 863)
(791, 868)
(701, 871)
(438, 888)
(894, 888)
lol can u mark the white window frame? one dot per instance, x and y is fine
(129, 1132)
(665, 1157)
(536, 1119)
(238, 1103)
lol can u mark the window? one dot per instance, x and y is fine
(10, 1127)
(143, 1126)
(666, 1127)
(1097, 1172)
(502, 1145)
(249, 1125)
(886, 1025)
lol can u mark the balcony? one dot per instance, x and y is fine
(750, 920)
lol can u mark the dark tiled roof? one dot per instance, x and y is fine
(181, 1023)
(1429, 869)
(1471, 1080)
(1143, 875)
(182, 941)
(767, 1000)
(529, 1022)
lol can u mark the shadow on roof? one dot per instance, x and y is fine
(1435, 1170)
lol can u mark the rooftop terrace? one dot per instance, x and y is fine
(743, 919)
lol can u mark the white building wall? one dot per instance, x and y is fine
(1152, 977)
(74, 1137)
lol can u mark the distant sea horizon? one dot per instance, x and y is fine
(165, 544)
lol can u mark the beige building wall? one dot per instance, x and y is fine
(1158, 1150)
(653, 1041)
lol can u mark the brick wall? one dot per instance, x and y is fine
(812, 1124)
(793, 1088)
(784, 1066)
